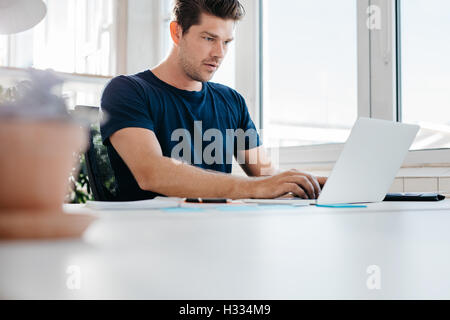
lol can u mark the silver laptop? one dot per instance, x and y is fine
(368, 164)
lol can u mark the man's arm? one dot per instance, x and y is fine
(255, 162)
(140, 150)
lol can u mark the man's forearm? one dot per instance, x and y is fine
(176, 179)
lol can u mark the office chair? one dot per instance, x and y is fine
(100, 173)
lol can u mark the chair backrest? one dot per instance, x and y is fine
(100, 173)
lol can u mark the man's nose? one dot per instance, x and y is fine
(219, 50)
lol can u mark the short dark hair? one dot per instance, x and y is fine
(187, 12)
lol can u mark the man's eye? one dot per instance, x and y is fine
(209, 39)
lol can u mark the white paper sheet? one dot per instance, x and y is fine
(157, 203)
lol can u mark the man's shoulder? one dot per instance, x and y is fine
(223, 89)
(136, 85)
(127, 81)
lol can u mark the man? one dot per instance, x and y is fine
(149, 113)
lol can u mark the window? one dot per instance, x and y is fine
(309, 71)
(322, 64)
(325, 63)
(75, 37)
(425, 71)
(166, 6)
(4, 51)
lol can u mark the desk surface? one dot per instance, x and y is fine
(302, 253)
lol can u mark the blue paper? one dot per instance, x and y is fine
(341, 206)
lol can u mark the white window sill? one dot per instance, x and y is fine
(321, 159)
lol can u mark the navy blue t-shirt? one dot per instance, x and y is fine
(198, 127)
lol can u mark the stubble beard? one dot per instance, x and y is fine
(190, 69)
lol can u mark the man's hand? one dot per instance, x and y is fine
(298, 183)
(322, 181)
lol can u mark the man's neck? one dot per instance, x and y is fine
(171, 72)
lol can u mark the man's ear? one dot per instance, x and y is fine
(175, 32)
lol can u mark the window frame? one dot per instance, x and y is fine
(379, 81)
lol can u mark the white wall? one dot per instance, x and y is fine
(143, 36)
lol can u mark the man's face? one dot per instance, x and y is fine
(204, 46)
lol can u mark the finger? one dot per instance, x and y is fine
(289, 173)
(315, 183)
(322, 181)
(295, 189)
(304, 183)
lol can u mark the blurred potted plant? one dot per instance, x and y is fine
(39, 143)
(80, 188)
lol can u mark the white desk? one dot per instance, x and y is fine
(308, 253)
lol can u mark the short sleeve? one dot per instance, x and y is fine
(124, 105)
(252, 139)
